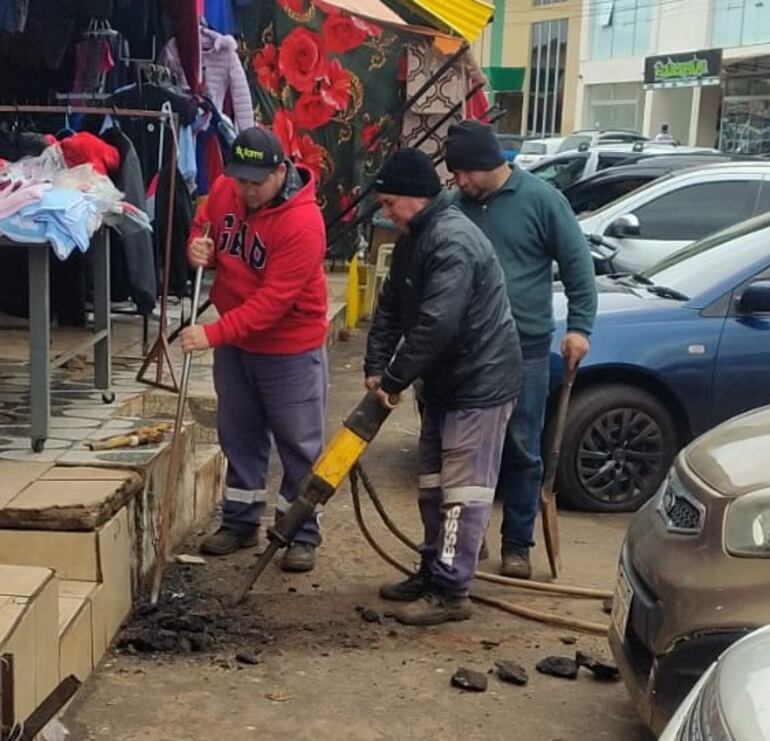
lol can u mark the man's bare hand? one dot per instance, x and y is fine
(574, 347)
(372, 383)
(193, 338)
(201, 252)
(389, 401)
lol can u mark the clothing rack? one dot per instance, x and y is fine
(160, 351)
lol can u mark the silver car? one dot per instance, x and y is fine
(731, 701)
(651, 223)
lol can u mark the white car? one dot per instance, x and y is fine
(651, 223)
(591, 137)
(731, 701)
(535, 150)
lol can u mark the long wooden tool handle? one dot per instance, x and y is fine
(172, 471)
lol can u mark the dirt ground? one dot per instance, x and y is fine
(323, 672)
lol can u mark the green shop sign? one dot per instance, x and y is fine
(683, 70)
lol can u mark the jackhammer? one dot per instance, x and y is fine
(330, 470)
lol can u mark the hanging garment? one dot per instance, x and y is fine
(220, 17)
(222, 73)
(133, 247)
(144, 132)
(185, 18)
(13, 15)
(183, 212)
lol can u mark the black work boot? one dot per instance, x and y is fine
(434, 608)
(225, 541)
(412, 588)
(515, 563)
(299, 558)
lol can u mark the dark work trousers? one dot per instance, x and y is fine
(459, 454)
(260, 395)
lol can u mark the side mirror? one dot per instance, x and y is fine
(626, 225)
(756, 298)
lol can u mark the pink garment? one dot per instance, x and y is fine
(222, 72)
(13, 199)
(185, 18)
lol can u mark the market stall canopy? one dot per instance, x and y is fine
(465, 17)
(374, 9)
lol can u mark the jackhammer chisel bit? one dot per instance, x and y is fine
(330, 470)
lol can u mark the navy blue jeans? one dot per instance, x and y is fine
(521, 472)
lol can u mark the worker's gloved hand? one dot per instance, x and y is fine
(201, 252)
(193, 338)
(372, 383)
(389, 401)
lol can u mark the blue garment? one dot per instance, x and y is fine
(220, 17)
(188, 165)
(13, 15)
(521, 472)
(63, 217)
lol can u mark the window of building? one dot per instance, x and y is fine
(614, 106)
(546, 77)
(546, 2)
(740, 22)
(620, 28)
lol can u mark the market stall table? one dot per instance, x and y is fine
(40, 362)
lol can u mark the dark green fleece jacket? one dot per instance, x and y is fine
(531, 225)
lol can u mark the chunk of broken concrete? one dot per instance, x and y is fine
(370, 616)
(602, 669)
(250, 658)
(467, 679)
(189, 559)
(558, 666)
(508, 671)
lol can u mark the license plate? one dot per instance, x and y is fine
(621, 602)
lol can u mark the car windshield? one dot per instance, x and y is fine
(573, 142)
(533, 148)
(704, 264)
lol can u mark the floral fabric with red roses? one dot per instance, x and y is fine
(328, 83)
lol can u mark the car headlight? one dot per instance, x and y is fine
(747, 526)
(704, 721)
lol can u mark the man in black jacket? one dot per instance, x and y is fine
(443, 317)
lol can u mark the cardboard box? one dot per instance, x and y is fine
(75, 637)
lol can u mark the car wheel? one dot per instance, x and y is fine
(618, 445)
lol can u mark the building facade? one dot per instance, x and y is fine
(530, 53)
(700, 66)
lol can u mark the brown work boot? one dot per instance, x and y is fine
(409, 590)
(434, 608)
(515, 563)
(226, 541)
(299, 558)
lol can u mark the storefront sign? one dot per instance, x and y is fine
(690, 69)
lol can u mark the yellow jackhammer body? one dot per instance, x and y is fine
(330, 470)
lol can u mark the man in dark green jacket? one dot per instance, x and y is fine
(531, 226)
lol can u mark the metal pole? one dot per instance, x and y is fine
(399, 116)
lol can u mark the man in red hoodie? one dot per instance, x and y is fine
(267, 243)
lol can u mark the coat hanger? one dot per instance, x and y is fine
(66, 130)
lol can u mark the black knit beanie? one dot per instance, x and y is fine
(408, 172)
(472, 145)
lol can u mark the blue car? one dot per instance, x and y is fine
(675, 350)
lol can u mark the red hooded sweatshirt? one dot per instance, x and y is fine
(270, 285)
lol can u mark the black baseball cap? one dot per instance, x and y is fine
(256, 153)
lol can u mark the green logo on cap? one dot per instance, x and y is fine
(245, 153)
